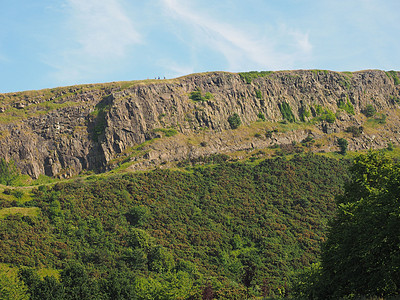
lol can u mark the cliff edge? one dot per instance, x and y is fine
(64, 131)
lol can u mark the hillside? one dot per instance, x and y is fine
(168, 234)
(136, 125)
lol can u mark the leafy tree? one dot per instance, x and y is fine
(138, 215)
(77, 284)
(361, 255)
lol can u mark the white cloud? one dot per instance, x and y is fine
(98, 35)
(243, 49)
(102, 28)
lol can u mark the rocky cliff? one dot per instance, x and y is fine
(64, 131)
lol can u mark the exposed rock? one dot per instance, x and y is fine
(96, 127)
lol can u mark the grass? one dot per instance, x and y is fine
(25, 211)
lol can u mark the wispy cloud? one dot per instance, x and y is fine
(98, 33)
(102, 28)
(240, 48)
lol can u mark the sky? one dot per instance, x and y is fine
(51, 43)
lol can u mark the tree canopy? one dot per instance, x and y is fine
(361, 255)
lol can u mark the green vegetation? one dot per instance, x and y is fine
(8, 172)
(234, 121)
(355, 130)
(234, 229)
(24, 211)
(261, 116)
(346, 106)
(99, 115)
(304, 113)
(369, 111)
(360, 257)
(379, 119)
(316, 71)
(286, 112)
(249, 76)
(197, 95)
(393, 74)
(11, 287)
(259, 94)
(343, 143)
(321, 114)
(168, 132)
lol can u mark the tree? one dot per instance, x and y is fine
(77, 283)
(361, 256)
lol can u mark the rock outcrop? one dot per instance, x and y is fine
(62, 132)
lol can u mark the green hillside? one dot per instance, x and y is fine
(232, 230)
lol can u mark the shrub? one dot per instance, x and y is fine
(381, 119)
(138, 215)
(369, 110)
(168, 132)
(8, 172)
(328, 116)
(259, 94)
(356, 131)
(318, 110)
(234, 121)
(18, 194)
(346, 106)
(304, 113)
(197, 95)
(342, 145)
(249, 76)
(393, 74)
(261, 116)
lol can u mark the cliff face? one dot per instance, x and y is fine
(63, 131)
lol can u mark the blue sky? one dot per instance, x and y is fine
(50, 43)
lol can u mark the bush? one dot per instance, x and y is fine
(343, 143)
(8, 172)
(369, 111)
(168, 132)
(393, 74)
(234, 121)
(249, 76)
(304, 113)
(197, 95)
(356, 131)
(18, 194)
(261, 116)
(346, 106)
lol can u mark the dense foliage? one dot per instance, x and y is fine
(361, 255)
(230, 230)
(8, 172)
